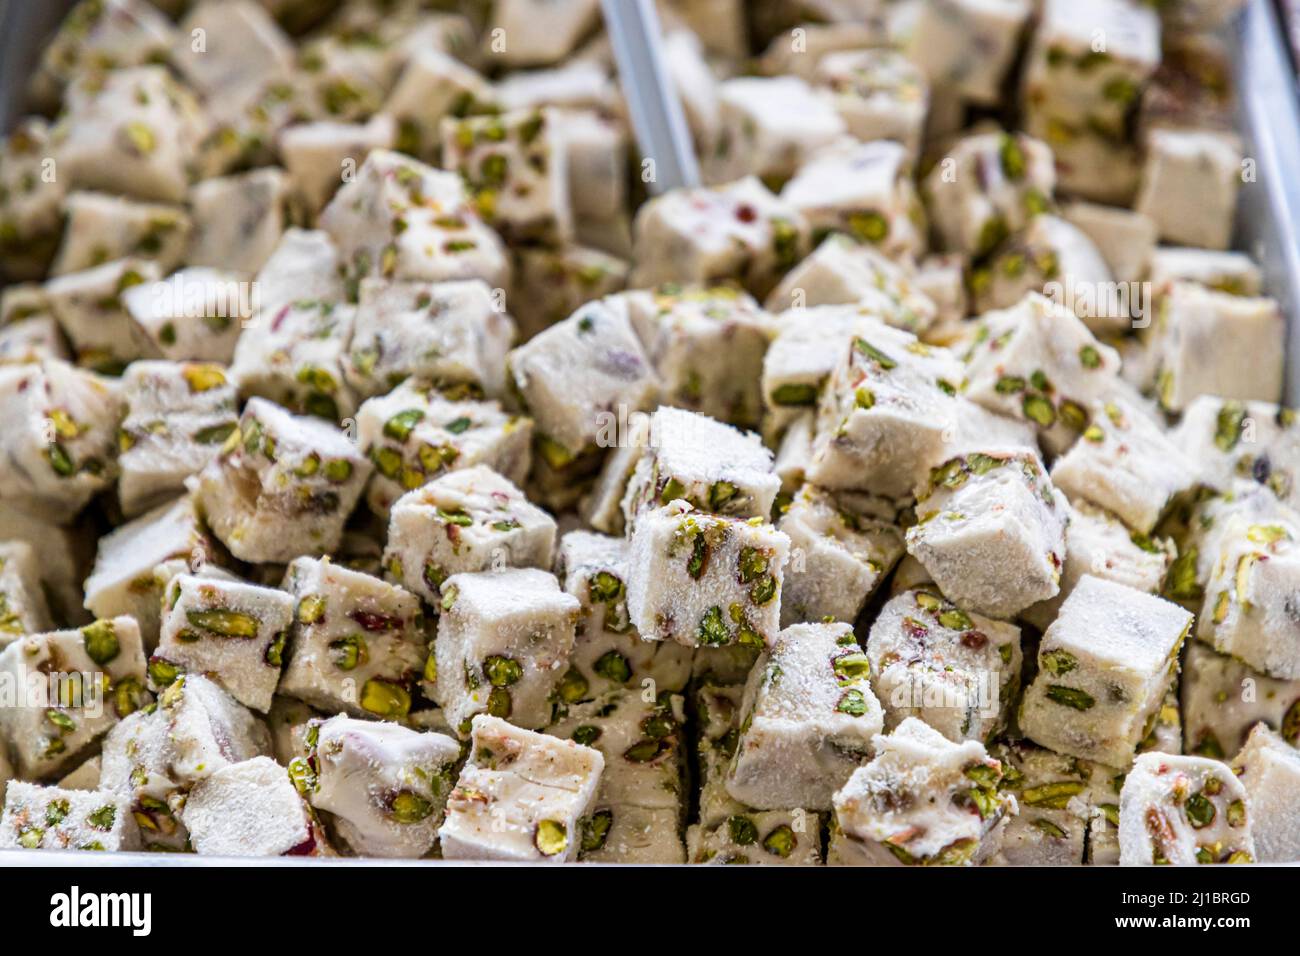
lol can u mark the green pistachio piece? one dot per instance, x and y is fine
(613, 666)
(499, 703)
(604, 587)
(781, 841)
(224, 621)
(956, 619)
(573, 686)
(1070, 697)
(30, 838)
(764, 590)
(551, 838)
(1055, 796)
(586, 735)
(672, 490)
(1058, 662)
(101, 643)
(1290, 727)
(852, 666)
(874, 354)
(385, 698)
(162, 672)
(699, 558)
(348, 652)
(794, 393)
(103, 818)
(1199, 810)
(742, 830)
(1039, 409)
(720, 493)
(595, 830)
(713, 628)
(502, 671)
(1236, 814)
(311, 609)
(646, 751)
(399, 427)
(408, 807)
(302, 776)
(852, 702)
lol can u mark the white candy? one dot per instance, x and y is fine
(540, 32)
(53, 818)
(1183, 811)
(238, 220)
(1189, 186)
(630, 834)
(101, 228)
(1104, 667)
(552, 284)
(771, 838)
(1125, 239)
(1223, 699)
(768, 126)
(195, 314)
(433, 85)
(1269, 771)
(22, 602)
(879, 93)
(92, 309)
(251, 809)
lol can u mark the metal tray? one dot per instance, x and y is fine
(1269, 123)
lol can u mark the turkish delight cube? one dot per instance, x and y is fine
(1222, 699)
(991, 530)
(1038, 362)
(357, 643)
(574, 377)
(1183, 811)
(967, 45)
(385, 785)
(296, 357)
(64, 556)
(1098, 543)
(1090, 164)
(597, 161)
(434, 85)
(958, 672)
(452, 332)
(320, 156)
(540, 33)
(924, 800)
(177, 418)
(135, 132)
(60, 438)
(515, 166)
(31, 200)
(1233, 272)
(503, 640)
(864, 190)
(842, 546)
(807, 720)
(1269, 770)
(232, 631)
(694, 458)
(768, 126)
(707, 343)
(72, 687)
(1214, 343)
(1189, 186)
(717, 711)
(196, 314)
(1126, 464)
(102, 228)
(1125, 239)
(243, 47)
(238, 220)
(1246, 597)
(1230, 440)
(884, 413)
(92, 310)
(879, 93)
(642, 745)
(765, 838)
(206, 729)
(994, 185)
(1055, 795)
(631, 834)
(551, 284)
(1105, 665)
(251, 809)
(471, 519)
(520, 797)
(419, 432)
(283, 487)
(739, 231)
(705, 580)
(23, 609)
(401, 219)
(29, 333)
(55, 818)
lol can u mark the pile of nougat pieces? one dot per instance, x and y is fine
(393, 470)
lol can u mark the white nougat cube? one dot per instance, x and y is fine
(357, 645)
(64, 556)
(958, 672)
(704, 580)
(204, 730)
(31, 202)
(1230, 439)
(864, 190)
(884, 414)
(1269, 770)
(968, 45)
(31, 339)
(1222, 699)
(879, 93)
(55, 818)
(1125, 464)
(573, 377)
(515, 166)
(1247, 596)
(71, 687)
(468, 520)
(1183, 811)
(102, 228)
(1189, 186)
(1105, 665)
(924, 800)
(196, 314)
(1038, 362)
(443, 331)
(386, 785)
(177, 418)
(718, 708)
(1233, 272)
(739, 231)
(433, 86)
(520, 797)
(243, 47)
(1058, 796)
(504, 638)
(808, 719)
(991, 530)
(551, 284)
(251, 809)
(92, 309)
(693, 458)
(847, 544)
(632, 834)
(1125, 239)
(707, 343)
(314, 155)
(768, 126)
(419, 432)
(401, 219)
(1215, 343)
(233, 632)
(766, 838)
(284, 488)
(23, 609)
(134, 132)
(542, 32)
(238, 220)
(995, 184)
(295, 356)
